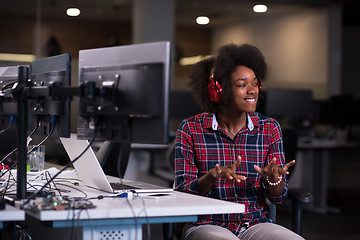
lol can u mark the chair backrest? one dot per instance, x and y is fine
(290, 141)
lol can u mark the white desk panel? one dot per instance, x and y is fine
(126, 215)
(176, 204)
(11, 213)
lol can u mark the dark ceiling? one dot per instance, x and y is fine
(220, 12)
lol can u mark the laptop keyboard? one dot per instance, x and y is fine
(121, 186)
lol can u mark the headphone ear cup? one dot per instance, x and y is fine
(214, 91)
(260, 84)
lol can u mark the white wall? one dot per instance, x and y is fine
(295, 46)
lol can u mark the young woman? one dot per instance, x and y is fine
(231, 152)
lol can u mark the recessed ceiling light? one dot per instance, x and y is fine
(13, 57)
(260, 8)
(202, 20)
(73, 12)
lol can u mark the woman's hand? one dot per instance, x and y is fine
(273, 172)
(228, 172)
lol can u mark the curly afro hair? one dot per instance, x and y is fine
(229, 57)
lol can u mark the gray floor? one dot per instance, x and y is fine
(317, 226)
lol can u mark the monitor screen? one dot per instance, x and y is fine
(339, 111)
(8, 78)
(45, 72)
(291, 103)
(182, 105)
(126, 93)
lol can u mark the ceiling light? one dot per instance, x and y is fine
(12, 57)
(192, 60)
(260, 8)
(202, 20)
(73, 12)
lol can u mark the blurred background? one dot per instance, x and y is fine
(311, 48)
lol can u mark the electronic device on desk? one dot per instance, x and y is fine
(92, 175)
(51, 202)
(45, 73)
(127, 95)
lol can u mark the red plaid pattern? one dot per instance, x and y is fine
(199, 147)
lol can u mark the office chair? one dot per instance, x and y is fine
(297, 196)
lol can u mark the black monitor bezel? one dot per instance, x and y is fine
(45, 72)
(122, 56)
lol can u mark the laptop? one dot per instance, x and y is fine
(92, 175)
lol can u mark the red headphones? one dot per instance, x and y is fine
(214, 89)
(260, 84)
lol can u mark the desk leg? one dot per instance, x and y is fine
(120, 232)
(321, 164)
(315, 178)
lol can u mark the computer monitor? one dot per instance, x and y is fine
(182, 105)
(8, 105)
(292, 103)
(52, 71)
(126, 93)
(8, 110)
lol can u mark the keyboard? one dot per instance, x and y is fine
(121, 186)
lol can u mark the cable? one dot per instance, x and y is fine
(47, 174)
(147, 218)
(90, 222)
(33, 131)
(75, 188)
(7, 186)
(7, 89)
(38, 123)
(12, 119)
(23, 234)
(65, 167)
(7, 170)
(134, 215)
(73, 224)
(46, 138)
(35, 147)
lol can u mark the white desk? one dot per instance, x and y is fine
(115, 216)
(10, 214)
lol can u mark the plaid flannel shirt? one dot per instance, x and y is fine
(201, 143)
